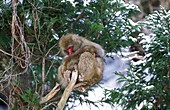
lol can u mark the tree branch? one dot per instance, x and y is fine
(43, 76)
(51, 94)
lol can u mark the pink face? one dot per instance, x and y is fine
(70, 47)
(70, 50)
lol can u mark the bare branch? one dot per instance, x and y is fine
(78, 17)
(13, 56)
(51, 94)
(52, 64)
(50, 49)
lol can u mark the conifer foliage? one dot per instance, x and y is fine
(30, 54)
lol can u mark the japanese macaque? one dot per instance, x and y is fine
(70, 43)
(84, 55)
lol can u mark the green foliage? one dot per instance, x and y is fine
(102, 21)
(114, 16)
(30, 98)
(148, 84)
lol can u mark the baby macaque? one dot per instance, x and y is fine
(90, 70)
(70, 61)
(87, 56)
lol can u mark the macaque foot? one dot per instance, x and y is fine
(75, 67)
(81, 88)
(81, 78)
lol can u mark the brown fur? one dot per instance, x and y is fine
(87, 56)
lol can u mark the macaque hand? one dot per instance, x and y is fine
(67, 75)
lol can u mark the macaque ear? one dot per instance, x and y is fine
(75, 37)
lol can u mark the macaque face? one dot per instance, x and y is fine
(70, 43)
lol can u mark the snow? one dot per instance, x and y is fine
(3, 108)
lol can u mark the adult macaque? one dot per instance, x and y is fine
(70, 43)
(83, 54)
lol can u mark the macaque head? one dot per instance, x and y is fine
(70, 43)
(89, 48)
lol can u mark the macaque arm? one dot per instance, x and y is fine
(63, 77)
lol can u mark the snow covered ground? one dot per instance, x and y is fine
(3, 108)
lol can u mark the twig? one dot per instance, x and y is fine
(101, 12)
(50, 49)
(13, 56)
(78, 17)
(44, 108)
(49, 68)
(57, 53)
(4, 102)
(68, 90)
(51, 94)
